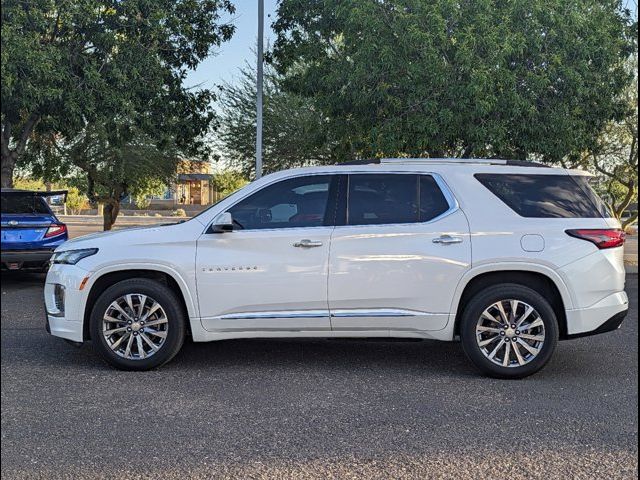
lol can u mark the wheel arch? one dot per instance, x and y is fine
(105, 278)
(541, 279)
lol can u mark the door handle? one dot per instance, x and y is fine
(307, 244)
(447, 240)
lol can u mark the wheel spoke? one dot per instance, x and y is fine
(484, 343)
(143, 301)
(141, 353)
(109, 318)
(532, 350)
(534, 324)
(117, 343)
(516, 350)
(117, 307)
(514, 309)
(507, 355)
(534, 338)
(159, 321)
(127, 352)
(495, 350)
(153, 309)
(486, 315)
(488, 329)
(108, 333)
(503, 314)
(153, 346)
(527, 313)
(129, 299)
(157, 333)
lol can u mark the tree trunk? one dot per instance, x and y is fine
(110, 213)
(8, 166)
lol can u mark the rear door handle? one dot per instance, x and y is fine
(447, 240)
(307, 244)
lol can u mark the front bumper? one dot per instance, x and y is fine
(69, 323)
(604, 316)
(25, 259)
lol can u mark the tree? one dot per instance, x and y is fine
(448, 78)
(67, 64)
(614, 159)
(115, 160)
(228, 182)
(295, 132)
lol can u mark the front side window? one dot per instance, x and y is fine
(376, 199)
(292, 203)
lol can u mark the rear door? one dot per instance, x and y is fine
(399, 255)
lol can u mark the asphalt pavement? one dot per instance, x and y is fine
(311, 408)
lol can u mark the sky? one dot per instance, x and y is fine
(224, 64)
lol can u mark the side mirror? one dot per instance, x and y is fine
(222, 223)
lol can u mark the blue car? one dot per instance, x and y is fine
(30, 230)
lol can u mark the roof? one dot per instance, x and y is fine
(184, 177)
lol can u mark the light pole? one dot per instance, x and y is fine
(260, 84)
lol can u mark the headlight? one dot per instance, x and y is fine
(71, 257)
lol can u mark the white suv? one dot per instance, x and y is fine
(509, 257)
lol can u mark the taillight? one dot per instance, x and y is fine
(55, 230)
(601, 238)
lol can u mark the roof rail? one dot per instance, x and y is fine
(461, 161)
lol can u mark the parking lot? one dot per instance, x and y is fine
(311, 409)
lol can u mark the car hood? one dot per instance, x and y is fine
(154, 234)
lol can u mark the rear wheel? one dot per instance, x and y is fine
(509, 331)
(137, 324)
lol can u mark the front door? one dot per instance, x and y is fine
(270, 272)
(396, 262)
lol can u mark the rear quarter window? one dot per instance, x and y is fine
(546, 196)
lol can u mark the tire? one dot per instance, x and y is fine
(164, 327)
(483, 322)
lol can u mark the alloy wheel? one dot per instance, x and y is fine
(135, 326)
(510, 333)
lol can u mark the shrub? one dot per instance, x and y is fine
(76, 201)
(179, 213)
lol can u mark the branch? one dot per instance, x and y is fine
(4, 139)
(30, 124)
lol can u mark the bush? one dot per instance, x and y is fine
(142, 202)
(76, 201)
(179, 213)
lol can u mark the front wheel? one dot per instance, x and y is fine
(509, 331)
(137, 324)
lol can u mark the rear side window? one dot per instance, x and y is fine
(23, 204)
(546, 196)
(379, 199)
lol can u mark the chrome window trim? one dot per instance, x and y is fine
(451, 199)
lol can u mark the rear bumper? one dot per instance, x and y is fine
(19, 259)
(605, 316)
(610, 325)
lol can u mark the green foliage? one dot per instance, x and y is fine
(295, 132)
(66, 64)
(448, 78)
(228, 182)
(614, 158)
(29, 183)
(76, 201)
